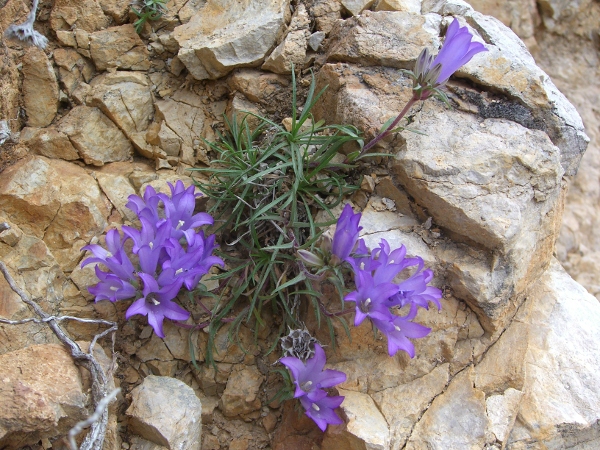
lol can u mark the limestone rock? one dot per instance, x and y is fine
(73, 68)
(49, 142)
(115, 184)
(292, 50)
(41, 395)
(388, 38)
(119, 47)
(167, 412)
(366, 427)
(241, 393)
(40, 88)
(511, 69)
(561, 403)
(95, 136)
(45, 198)
(183, 120)
(226, 34)
(84, 15)
(412, 6)
(125, 98)
(326, 14)
(355, 7)
(455, 420)
(402, 406)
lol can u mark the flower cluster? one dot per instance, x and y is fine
(310, 380)
(377, 294)
(170, 251)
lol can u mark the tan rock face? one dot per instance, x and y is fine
(85, 15)
(167, 412)
(119, 47)
(50, 143)
(40, 88)
(41, 395)
(95, 136)
(226, 34)
(241, 393)
(53, 199)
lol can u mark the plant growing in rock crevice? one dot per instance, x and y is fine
(267, 185)
(147, 10)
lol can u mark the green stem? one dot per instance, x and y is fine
(414, 99)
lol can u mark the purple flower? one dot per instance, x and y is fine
(415, 290)
(458, 49)
(179, 210)
(399, 329)
(310, 380)
(157, 301)
(371, 298)
(111, 287)
(346, 233)
(146, 207)
(322, 411)
(114, 257)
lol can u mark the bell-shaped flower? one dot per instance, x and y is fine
(146, 207)
(113, 257)
(416, 291)
(322, 411)
(309, 377)
(399, 329)
(157, 301)
(111, 287)
(310, 380)
(458, 49)
(179, 209)
(346, 233)
(370, 297)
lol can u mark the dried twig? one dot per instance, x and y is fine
(100, 408)
(94, 440)
(25, 31)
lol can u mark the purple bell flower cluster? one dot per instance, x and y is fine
(377, 292)
(171, 254)
(310, 380)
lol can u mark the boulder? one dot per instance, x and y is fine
(41, 395)
(119, 47)
(97, 139)
(40, 88)
(166, 412)
(226, 34)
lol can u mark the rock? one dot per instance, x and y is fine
(73, 68)
(183, 120)
(316, 39)
(366, 427)
(392, 39)
(84, 15)
(40, 88)
(502, 411)
(41, 395)
(167, 412)
(95, 136)
(326, 14)
(292, 50)
(412, 6)
(510, 68)
(114, 182)
(455, 420)
(117, 10)
(49, 142)
(125, 98)
(226, 34)
(560, 405)
(119, 47)
(355, 7)
(242, 391)
(44, 197)
(257, 86)
(520, 16)
(403, 406)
